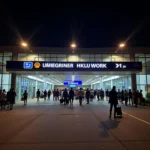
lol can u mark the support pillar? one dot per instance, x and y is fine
(13, 75)
(133, 75)
(133, 81)
(13, 80)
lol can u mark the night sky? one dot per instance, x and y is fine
(57, 24)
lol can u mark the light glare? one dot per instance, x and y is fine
(73, 45)
(24, 44)
(122, 45)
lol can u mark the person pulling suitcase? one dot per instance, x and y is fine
(113, 101)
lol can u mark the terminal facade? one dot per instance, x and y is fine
(97, 62)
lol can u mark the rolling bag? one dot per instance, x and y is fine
(118, 111)
(61, 100)
(67, 101)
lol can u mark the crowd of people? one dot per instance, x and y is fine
(130, 97)
(67, 96)
(7, 99)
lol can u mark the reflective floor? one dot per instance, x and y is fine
(51, 125)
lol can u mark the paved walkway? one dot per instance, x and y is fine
(51, 125)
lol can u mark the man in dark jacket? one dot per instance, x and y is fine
(113, 101)
(71, 96)
(38, 95)
(87, 95)
(65, 96)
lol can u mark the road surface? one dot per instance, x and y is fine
(49, 125)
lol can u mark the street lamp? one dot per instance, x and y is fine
(24, 44)
(122, 45)
(73, 46)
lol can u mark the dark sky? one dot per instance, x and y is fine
(57, 24)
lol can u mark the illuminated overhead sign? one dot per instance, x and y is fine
(73, 82)
(73, 66)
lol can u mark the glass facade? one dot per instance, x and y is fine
(5, 77)
(142, 78)
(31, 85)
(74, 57)
(120, 83)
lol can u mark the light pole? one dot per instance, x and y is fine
(73, 46)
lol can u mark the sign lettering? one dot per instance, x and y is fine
(73, 66)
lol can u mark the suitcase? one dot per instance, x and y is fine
(61, 100)
(77, 98)
(91, 96)
(118, 111)
(67, 101)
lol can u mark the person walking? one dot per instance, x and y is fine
(11, 95)
(87, 95)
(91, 94)
(65, 96)
(135, 97)
(38, 95)
(71, 96)
(98, 94)
(81, 94)
(130, 97)
(107, 94)
(3, 99)
(49, 94)
(57, 95)
(101, 94)
(95, 93)
(45, 95)
(25, 97)
(113, 101)
(126, 97)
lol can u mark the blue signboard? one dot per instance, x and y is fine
(72, 86)
(73, 66)
(73, 82)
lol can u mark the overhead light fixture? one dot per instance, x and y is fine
(37, 79)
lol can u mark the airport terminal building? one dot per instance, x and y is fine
(43, 68)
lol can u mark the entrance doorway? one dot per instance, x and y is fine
(55, 80)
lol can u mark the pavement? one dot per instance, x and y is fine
(49, 125)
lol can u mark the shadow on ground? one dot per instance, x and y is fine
(108, 125)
